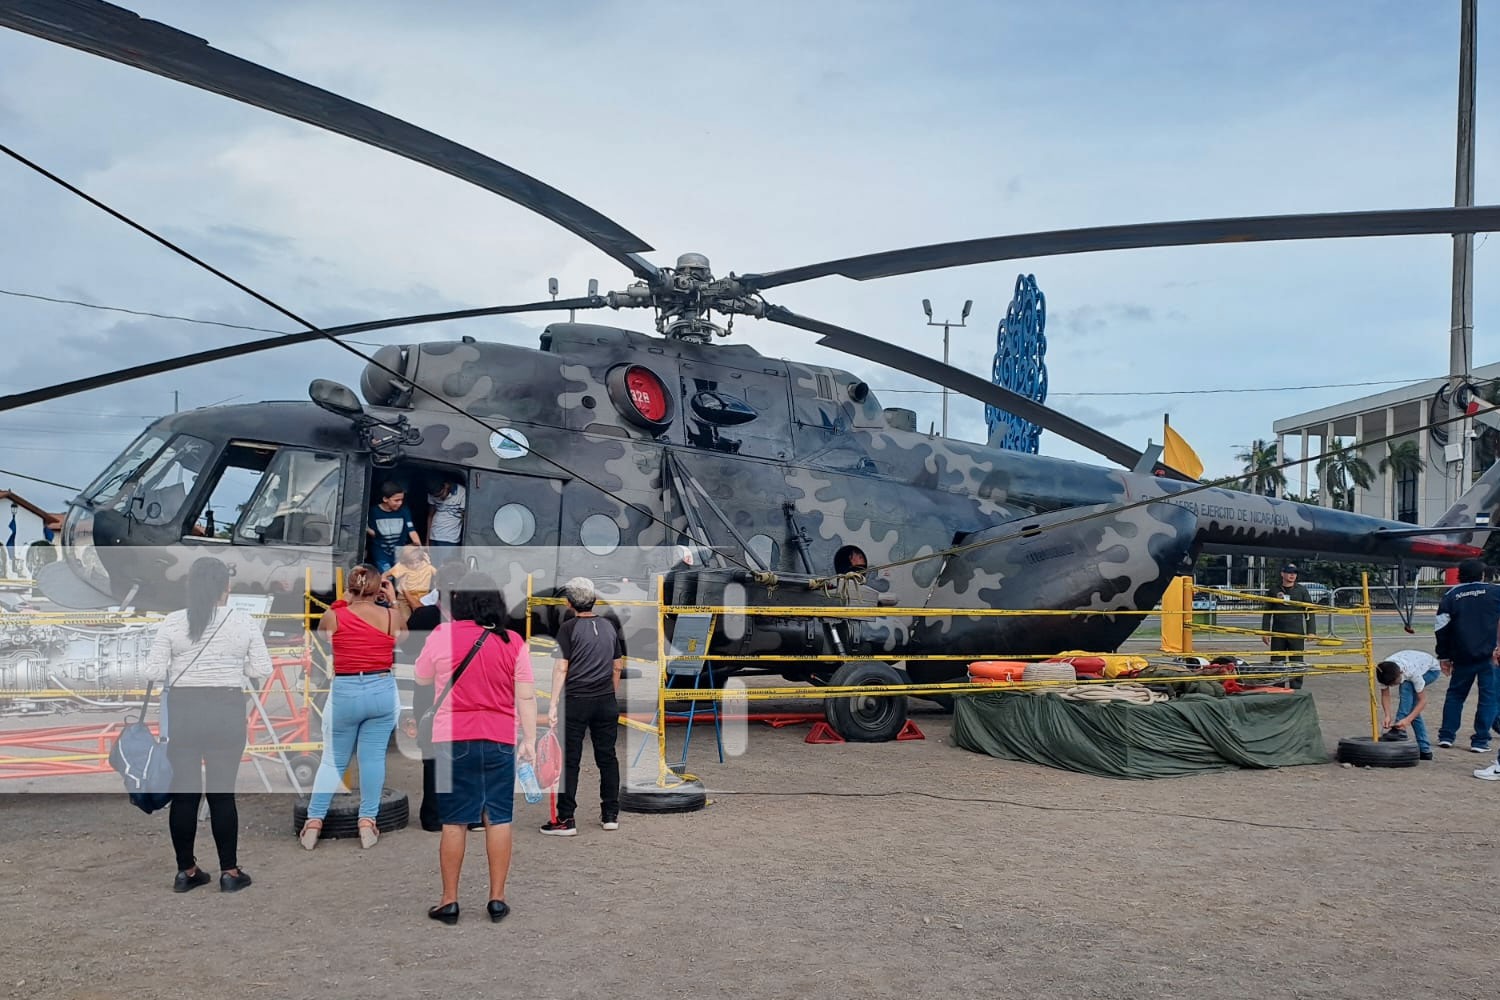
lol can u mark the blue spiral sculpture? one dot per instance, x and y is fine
(1020, 365)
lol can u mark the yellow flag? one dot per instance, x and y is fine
(1176, 453)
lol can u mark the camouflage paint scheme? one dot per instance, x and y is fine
(755, 434)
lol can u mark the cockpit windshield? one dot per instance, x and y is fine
(168, 481)
(123, 470)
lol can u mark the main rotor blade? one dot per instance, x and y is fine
(105, 379)
(1254, 229)
(115, 33)
(899, 358)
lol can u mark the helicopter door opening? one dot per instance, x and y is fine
(435, 496)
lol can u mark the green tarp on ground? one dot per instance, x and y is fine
(1187, 735)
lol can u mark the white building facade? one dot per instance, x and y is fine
(1388, 418)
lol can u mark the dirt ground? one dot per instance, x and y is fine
(894, 870)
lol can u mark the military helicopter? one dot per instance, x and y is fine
(749, 480)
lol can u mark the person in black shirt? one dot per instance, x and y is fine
(585, 678)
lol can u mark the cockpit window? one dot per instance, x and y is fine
(239, 474)
(124, 469)
(157, 494)
(297, 503)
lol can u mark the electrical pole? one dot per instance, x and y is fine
(1461, 328)
(945, 324)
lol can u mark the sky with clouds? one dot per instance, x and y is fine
(766, 136)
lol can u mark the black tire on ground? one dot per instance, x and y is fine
(647, 797)
(866, 720)
(343, 815)
(1362, 751)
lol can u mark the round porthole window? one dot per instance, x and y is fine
(599, 534)
(764, 549)
(514, 524)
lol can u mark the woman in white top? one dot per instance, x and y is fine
(205, 653)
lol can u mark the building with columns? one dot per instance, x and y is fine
(1447, 453)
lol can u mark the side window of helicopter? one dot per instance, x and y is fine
(240, 472)
(297, 503)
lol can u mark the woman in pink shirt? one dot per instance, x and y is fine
(474, 733)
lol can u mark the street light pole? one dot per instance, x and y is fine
(945, 324)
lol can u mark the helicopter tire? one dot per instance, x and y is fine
(866, 720)
(1362, 751)
(645, 796)
(343, 814)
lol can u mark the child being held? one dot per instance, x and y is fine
(413, 574)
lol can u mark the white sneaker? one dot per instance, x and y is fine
(610, 824)
(1474, 749)
(1491, 773)
(1445, 744)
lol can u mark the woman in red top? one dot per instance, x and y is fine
(474, 733)
(360, 713)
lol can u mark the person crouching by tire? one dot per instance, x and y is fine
(1412, 671)
(205, 653)
(585, 679)
(483, 680)
(362, 705)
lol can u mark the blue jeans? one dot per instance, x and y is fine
(358, 719)
(1409, 701)
(1459, 682)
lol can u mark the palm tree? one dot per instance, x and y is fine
(1342, 470)
(1262, 473)
(1403, 461)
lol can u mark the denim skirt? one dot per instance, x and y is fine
(475, 779)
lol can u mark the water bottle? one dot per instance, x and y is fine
(527, 774)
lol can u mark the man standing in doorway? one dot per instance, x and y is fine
(1293, 624)
(445, 523)
(1468, 640)
(585, 680)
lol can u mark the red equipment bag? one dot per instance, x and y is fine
(549, 760)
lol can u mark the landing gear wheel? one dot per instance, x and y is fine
(861, 719)
(343, 814)
(1362, 751)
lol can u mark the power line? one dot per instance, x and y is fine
(918, 392)
(34, 479)
(136, 312)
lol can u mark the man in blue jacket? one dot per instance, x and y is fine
(1468, 642)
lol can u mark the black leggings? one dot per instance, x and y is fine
(206, 727)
